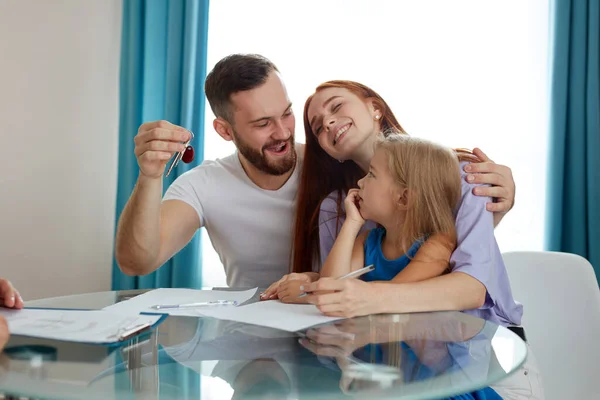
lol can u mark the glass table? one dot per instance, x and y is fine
(403, 356)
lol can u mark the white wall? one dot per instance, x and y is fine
(59, 71)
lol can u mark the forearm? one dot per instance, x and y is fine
(451, 292)
(421, 271)
(339, 260)
(137, 245)
(431, 260)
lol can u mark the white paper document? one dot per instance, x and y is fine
(274, 314)
(144, 302)
(86, 326)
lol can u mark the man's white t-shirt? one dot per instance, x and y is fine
(249, 227)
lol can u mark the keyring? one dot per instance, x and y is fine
(186, 155)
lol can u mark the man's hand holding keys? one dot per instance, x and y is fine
(155, 143)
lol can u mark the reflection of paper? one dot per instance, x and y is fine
(274, 314)
(235, 346)
(144, 302)
(93, 326)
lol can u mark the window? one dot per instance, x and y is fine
(464, 73)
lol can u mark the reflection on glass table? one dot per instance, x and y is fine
(411, 356)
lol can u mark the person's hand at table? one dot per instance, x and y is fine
(9, 296)
(272, 291)
(343, 297)
(290, 290)
(4, 333)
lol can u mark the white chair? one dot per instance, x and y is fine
(561, 317)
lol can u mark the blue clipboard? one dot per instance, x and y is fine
(123, 337)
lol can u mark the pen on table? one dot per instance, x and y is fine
(200, 304)
(353, 274)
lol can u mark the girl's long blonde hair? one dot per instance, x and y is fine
(431, 173)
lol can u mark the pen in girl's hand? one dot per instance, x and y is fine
(353, 274)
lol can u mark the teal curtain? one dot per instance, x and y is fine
(163, 67)
(574, 164)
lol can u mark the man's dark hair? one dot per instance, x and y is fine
(232, 74)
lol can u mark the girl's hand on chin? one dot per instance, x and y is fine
(353, 207)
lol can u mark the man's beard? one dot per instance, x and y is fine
(260, 161)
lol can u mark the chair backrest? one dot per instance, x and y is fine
(561, 317)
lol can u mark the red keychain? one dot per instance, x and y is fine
(186, 155)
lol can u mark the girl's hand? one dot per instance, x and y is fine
(289, 291)
(271, 292)
(353, 208)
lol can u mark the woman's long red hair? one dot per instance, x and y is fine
(321, 175)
